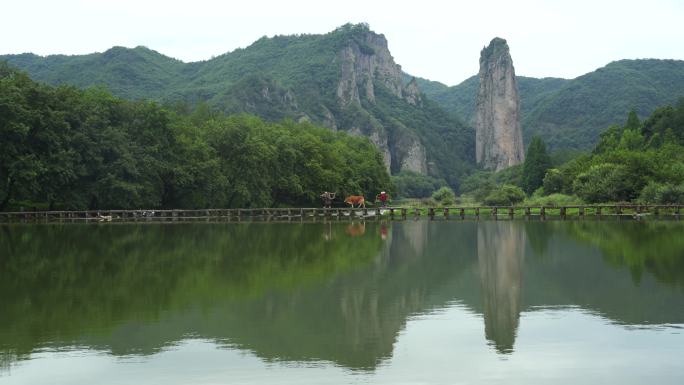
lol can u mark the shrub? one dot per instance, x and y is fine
(662, 193)
(445, 196)
(553, 200)
(505, 195)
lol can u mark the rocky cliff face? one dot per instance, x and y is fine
(365, 64)
(498, 135)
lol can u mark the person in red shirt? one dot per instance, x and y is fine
(383, 198)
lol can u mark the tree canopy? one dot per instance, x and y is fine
(537, 161)
(86, 149)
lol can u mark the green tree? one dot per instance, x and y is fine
(633, 122)
(414, 185)
(537, 161)
(606, 182)
(553, 181)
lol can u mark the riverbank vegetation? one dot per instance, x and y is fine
(85, 149)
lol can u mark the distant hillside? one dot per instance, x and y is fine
(131, 73)
(576, 114)
(572, 113)
(345, 80)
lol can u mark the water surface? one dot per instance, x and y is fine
(396, 302)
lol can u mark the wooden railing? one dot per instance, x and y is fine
(289, 214)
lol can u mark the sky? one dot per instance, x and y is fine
(437, 40)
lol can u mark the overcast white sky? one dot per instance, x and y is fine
(438, 40)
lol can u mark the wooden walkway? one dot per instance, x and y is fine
(393, 213)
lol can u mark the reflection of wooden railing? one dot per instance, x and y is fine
(494, 212)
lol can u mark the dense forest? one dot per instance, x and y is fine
(63, 147)
(638, 161)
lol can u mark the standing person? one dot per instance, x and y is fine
(383, 197)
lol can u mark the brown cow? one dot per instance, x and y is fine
(355, 200)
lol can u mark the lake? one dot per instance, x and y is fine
(404, 302)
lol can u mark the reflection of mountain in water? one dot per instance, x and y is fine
(312, 291)
(293, 292)
(500, 250)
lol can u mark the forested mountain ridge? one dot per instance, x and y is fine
(137, 73)
(571, 113)
(346, 80)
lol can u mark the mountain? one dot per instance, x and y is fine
(345, 80)
(572, 113)
(498, 136)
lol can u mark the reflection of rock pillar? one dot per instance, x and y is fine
(416, 233)
(500, 247)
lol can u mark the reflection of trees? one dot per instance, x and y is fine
(657, 247)
(500, 249)
(63, 280)
(584, 265)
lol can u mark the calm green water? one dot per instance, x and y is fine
(412, 302)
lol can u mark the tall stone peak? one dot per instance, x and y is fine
(498, 134)
(498, 47)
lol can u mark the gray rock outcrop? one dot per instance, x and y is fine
(365, 64)
(498, 135)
